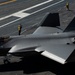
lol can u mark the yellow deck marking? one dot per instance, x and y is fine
(3, 3)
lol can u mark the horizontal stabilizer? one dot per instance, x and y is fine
(71, 26)
(51, 20)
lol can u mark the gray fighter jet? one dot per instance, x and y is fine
(48, 39)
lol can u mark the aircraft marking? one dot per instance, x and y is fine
(6, 2)
(20, 14)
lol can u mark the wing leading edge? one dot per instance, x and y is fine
(59, 53)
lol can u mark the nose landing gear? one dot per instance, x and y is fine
(6, 60)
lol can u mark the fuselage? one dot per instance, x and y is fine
(32, 41)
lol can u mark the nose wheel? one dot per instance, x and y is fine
(6, 60)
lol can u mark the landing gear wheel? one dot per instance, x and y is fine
(6, 61)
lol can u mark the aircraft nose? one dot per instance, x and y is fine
(13, 49)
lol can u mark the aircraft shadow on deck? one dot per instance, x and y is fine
(38, 63)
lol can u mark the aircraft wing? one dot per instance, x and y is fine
(59, 53)
(47, 30)
(56, 52)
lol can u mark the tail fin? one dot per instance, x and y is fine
(71, 26)
(51, 20)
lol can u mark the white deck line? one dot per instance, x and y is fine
(30, 14)
(26, 9)
(21, 15)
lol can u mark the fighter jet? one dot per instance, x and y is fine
(48, 39)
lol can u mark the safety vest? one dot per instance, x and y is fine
(19, 27)
(67, 5)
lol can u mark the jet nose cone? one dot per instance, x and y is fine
(13, 50)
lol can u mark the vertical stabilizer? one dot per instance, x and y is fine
(51, 20)
(71, 26)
